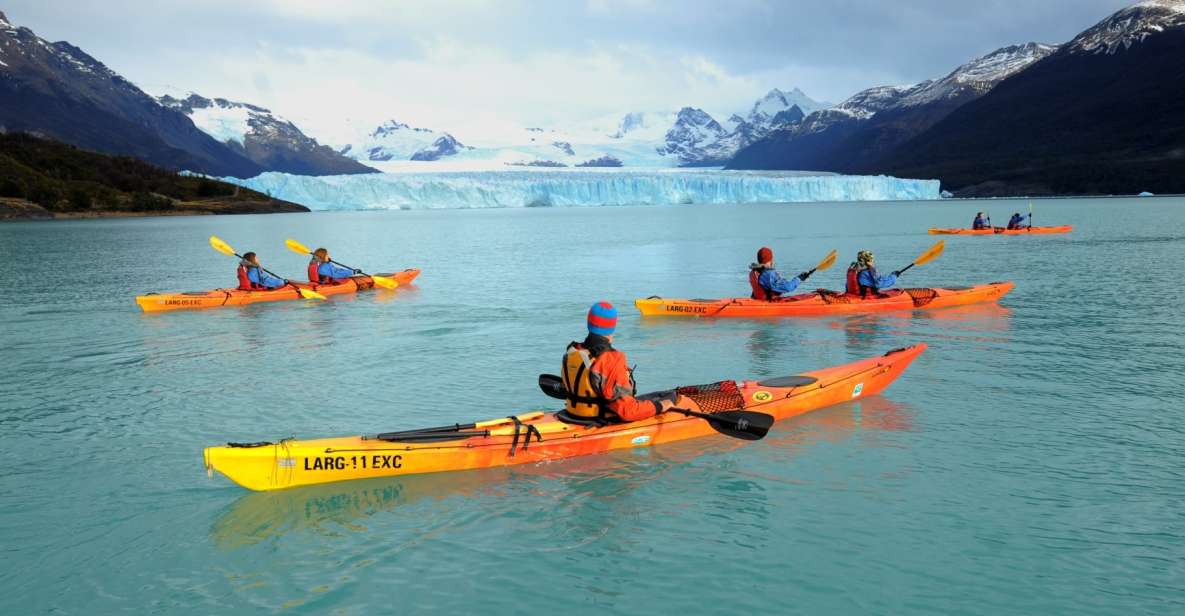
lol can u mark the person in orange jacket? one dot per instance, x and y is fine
(597, 377)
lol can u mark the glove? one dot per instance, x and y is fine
(357, 271)
(803, 276)
(896, 273)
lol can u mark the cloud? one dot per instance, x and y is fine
(479, 65)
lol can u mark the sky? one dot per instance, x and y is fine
(478, 66)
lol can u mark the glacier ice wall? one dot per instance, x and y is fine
(480, 189)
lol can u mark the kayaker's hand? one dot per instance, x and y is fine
(357, 271)
(665, 405)
(896, 273)
(803, 276)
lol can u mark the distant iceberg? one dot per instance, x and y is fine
(483, 189)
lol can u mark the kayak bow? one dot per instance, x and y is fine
(291, 463)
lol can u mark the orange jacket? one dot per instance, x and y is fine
(610, 376)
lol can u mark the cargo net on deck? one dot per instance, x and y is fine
(921, 297)
(714, 397)
(831, 297)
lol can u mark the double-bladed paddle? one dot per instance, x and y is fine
(926, 257)
(455, 428)
(381, 281)
(224, 248)
(746, 425)
(825, 264)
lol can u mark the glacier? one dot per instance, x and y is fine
(562, 188)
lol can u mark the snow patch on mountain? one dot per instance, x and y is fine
(223, 123)
(980, 74)
(1130, 26)
(445, 145)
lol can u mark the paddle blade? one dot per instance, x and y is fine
(384, 282)
(309, 294)
(745, 425)
(553, 386)
(297, 247)
(931, 254)
(828, 261)
(221, 246)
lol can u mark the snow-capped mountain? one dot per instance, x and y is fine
(391, 140)
(851, 136)
(445, 145)
(644, 125)
(57, 90)
(1129, 26)
(262, 136)
(695, 139)
(775, 102)
(979, 75)
(1102, 115)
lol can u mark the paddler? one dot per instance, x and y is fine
(253, 278)
(597, 377)
(324, 271)
(1014, 222)
(868, 279)
(980, 222)
(766, 282)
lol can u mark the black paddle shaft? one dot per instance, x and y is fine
(352, 269)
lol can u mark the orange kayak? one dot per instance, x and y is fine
(1004, 231)
(542, 437)
(157, 302)
(824, 302)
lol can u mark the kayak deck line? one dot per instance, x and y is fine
(292, 463)
(215, 298)
(824, 302)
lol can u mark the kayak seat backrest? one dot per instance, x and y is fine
(788, 381)
(714, 397)
(569, 418)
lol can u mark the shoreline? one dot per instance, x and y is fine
(16, 210)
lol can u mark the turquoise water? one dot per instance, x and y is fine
(1029, 462)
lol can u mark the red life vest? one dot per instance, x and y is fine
(314, 274)
(759, 292)
(853, 283)
(245, 283)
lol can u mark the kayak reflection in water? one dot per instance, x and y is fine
(252, 277)
(766, 282)
(1014, 222)
(323, 271)
(868, 280)
(598, 380)
(980, 222)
